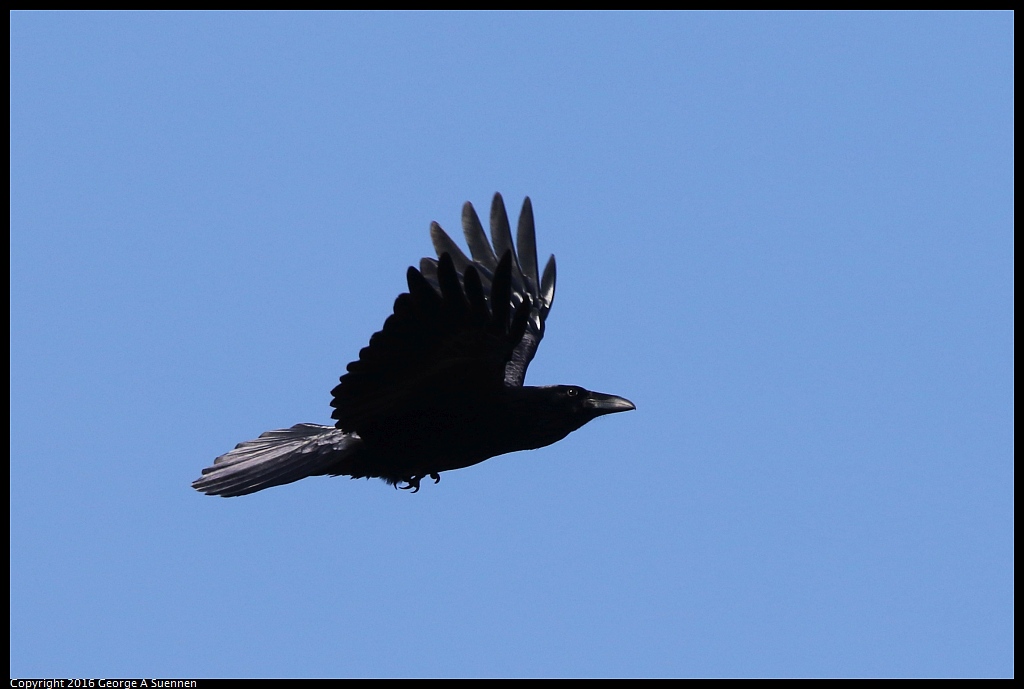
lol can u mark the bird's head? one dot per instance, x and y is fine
(555, 411)
(588, 405)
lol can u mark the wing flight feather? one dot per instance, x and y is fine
(467, 322)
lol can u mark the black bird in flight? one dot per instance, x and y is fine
(440, 387)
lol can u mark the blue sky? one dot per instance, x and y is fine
(788, 238)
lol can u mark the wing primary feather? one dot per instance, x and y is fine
(526, 240)
(476, 239)
(547, 287)
(443, 244)
(501, 233)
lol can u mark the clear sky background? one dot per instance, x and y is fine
(788, 238)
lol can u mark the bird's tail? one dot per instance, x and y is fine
(278, 457)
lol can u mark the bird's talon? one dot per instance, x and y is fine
(413, 482)
(436, 477)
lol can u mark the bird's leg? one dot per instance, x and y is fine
(412, 482)
(436, 477)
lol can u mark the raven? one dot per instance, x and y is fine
(440, 387)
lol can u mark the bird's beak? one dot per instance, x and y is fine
(607, 404)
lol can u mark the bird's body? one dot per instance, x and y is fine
(461, 431)
(440, 387)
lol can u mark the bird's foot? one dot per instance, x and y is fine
(412, 482)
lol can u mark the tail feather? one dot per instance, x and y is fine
(276, 458)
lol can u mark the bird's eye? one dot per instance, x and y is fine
(573, 392)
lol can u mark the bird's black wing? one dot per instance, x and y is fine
(527, 284)
(453, 339)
